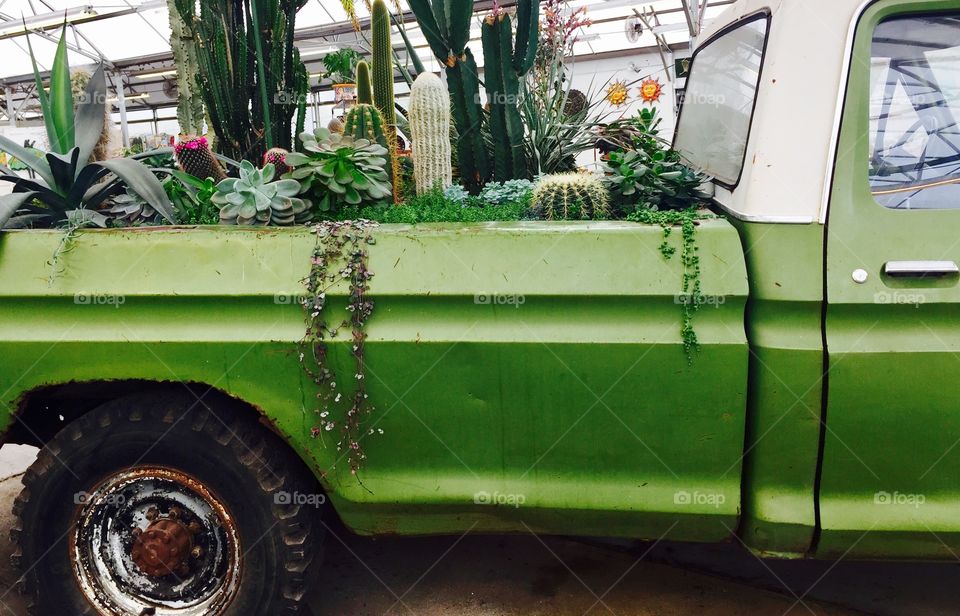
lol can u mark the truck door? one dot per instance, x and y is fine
(891, 443)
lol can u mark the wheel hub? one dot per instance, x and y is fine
(155, 539)
(163, 549)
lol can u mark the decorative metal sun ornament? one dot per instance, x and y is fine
(651, 90)
(617, 93)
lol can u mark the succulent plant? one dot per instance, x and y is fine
(365, 122)
(570, 196)
(507, 62)
(193, 156)
(335, 125)
(277, 157)
(364, 89)
(430, 128)
(129, 209)
(69, 185)
(636, 178)
(340, 170)
(254, 199)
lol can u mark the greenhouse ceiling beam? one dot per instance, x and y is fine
(76, 31)
(39, 30)
(4, 18)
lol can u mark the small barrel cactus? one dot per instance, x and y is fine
(193, 156)
(254, 199)
(570, 196)
(278, 158)
(430, 131)
(365, 122)
(364, 89)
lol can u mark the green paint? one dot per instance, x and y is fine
(894, 355)
(784, 400)
(473, 395)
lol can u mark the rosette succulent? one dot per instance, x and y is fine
(254, 199)
(338, 170)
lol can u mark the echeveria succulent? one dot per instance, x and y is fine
(338, 170)
(254, 199)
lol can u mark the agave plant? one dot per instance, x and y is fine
(68, 185)
(255, 199)
(340, 170)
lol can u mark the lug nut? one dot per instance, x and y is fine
(174, 513)
(152, 513)
(197, 552)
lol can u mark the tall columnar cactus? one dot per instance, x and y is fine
(570, 196)
(250, 73)
(190, 113)
(430, 128)
(365, 122)
(447, 32)
(364, 92)
(506, 64)
(382, 58)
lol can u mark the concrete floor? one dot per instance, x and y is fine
(530, 576)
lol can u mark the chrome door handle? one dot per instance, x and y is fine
(920, 268)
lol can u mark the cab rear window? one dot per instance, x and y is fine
(719, 100)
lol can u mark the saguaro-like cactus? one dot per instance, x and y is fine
(250, 74)
(365, 122)
(430, 128)
(506, 64)
(382, 58)
(364, 92)
(190, 114)
(449, 44)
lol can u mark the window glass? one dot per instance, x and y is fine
(914, 108)
(719, 100)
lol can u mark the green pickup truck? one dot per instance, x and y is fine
(530, 376)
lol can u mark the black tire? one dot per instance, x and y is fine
(233, 456)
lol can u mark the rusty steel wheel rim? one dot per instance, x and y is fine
(153, 540)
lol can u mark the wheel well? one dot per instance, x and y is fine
(43, 412)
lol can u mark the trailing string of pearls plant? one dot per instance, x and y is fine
(340, 254)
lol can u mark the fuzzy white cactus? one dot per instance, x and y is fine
(430, 128)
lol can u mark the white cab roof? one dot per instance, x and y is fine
(792, 140)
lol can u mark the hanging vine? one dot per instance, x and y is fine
(690, 292)
(340, 254)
